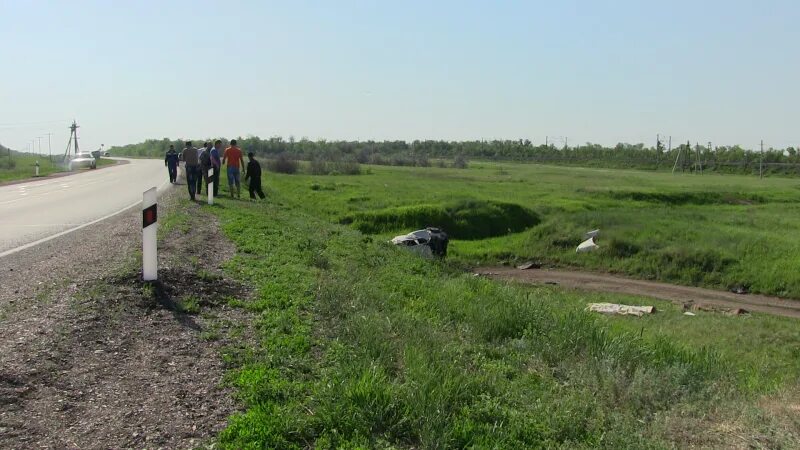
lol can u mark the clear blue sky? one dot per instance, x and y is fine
(599, 71)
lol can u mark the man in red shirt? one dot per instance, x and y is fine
(235, 161)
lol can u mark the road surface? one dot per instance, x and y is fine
(36, 211)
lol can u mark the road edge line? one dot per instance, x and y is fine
(62, 233)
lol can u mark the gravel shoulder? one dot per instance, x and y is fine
(91, 357)
(681, 295)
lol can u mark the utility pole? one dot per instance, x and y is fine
(49, 148)
(565, 143)
(546, 141)
(699, 157)
(761, 162)
(73, 135)
(659, 150)
(715, 154)
(680, 149)
(39, 138)
(688, 155)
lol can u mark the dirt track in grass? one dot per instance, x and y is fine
(689, 297)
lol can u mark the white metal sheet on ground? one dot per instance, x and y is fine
(622, 310)
(587, 246)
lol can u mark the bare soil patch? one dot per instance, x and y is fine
(687, 296)
(91, 357)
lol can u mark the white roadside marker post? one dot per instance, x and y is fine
(37, 168)
(210, 186)
(149, 235)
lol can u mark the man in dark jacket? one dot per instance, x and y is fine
(192, 167)
(253, 174)
(171, 161)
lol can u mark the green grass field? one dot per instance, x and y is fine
(718, 231)
(24, 166)
(362, 345)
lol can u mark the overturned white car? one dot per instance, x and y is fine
(429, 242)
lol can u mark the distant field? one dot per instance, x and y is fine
(720, 231)
(23, 166)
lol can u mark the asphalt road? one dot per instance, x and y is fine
(36, 211)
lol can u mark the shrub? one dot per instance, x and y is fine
(333, 165)
(460, 161)
(283, 163)
(468, 219)
(318, 166)
(348, 165)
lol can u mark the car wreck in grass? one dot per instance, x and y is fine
(430, 242)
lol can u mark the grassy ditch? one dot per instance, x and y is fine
(466, 219)
(362, 345)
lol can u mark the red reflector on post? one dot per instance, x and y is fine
(149, 216)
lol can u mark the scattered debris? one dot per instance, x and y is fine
(689, 313)
(622, 310)
(529, 265)
(741, 289)
(587, 246)
(429, 242)
(719, 309)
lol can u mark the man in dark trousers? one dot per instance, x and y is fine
(171, 161)
(253, 173)
(192, 166)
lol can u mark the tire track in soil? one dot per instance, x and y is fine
(680, 295)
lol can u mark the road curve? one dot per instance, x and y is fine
(35, 211)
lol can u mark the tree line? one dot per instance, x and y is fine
(684, 157)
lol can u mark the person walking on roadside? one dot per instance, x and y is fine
(192, 166)
(204, 155)
(234, 159)
(253, 173)
(171, 161)
(216, 163)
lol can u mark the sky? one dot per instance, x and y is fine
(586, 70)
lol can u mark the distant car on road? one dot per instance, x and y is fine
(83, 160)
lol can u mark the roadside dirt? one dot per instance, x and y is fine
(689, 297)
(91, 357)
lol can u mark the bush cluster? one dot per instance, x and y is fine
(334, 165)
(283, 163)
